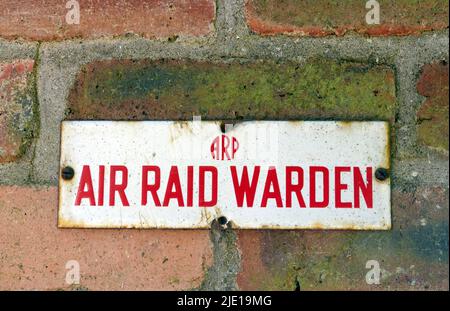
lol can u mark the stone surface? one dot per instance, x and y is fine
(139, 90)
(17, 108)
(329, 17)
(34, 253)
(412, 256)
(46, 19)
(432, 116)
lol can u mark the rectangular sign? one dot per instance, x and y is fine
(256, 174)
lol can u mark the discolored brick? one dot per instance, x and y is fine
(432, 116)
(46, 20)
(327, 17)
(17, 108)
(34, 253)
(177, 90)
(412, 256)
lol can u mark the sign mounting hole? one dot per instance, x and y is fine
(222, 220)
(382, 173)
(67, 173)
(222, 127)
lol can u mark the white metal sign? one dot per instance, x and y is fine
(257, 174)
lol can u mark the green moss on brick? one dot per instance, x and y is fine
(413, 255)
(17, 109)
(337, 260)
(324, 17)
(319, 89)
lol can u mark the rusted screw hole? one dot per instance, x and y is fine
(222, 127)
(222, 220)
(67, 173)
(382, 173)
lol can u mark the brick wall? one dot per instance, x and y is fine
(226, 59)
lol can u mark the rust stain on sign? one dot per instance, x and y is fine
(258, 174)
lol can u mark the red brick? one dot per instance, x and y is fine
(413, 255)
(326, 17)
(33, 252)
(253, 271)
(432, 116)
(46, 19)
(16, 108)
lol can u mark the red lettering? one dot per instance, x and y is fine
(339, 186)
(119, 188)
(361, 187)
(225, 145)
(245, 190)
(153, 188)
(85, 181)
(221, 144)
(101, 185)
(174, 181)
(235, 147)
(271, 181)
(312, 185)
(190, 186)
(202, 201)
(215, 148)
(294, 188)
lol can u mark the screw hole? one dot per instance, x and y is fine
(382, 173)
(67, 173)
(222, 220)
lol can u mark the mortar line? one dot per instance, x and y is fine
(36, 108)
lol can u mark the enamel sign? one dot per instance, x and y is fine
(255, 174)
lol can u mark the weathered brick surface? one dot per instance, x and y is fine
(33, 252)
(433, 114)
(322, 88)
(16, 108)
(326, 17)
(229, 74)
(412, 256)
(46, 19)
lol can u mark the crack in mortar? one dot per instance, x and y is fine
(222, 275)
(36, 113)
